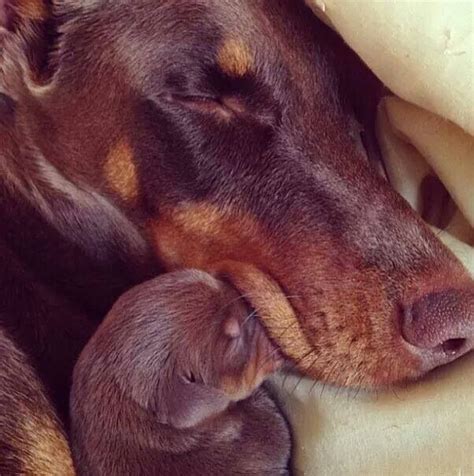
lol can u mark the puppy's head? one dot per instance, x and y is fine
(228, 349)
(200, 330)
(223, 128)
(183, 345)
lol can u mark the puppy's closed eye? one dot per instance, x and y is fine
(190, 377)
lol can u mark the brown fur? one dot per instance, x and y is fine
(251, 160)
(168, 385)
(32, 439)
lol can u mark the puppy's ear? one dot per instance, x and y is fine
(232, 327)
(188, 404)
(26, 33)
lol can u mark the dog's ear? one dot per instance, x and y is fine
(26, 33)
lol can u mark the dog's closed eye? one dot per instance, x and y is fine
(225, 107)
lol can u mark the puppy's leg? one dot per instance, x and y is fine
(32, 441)
(271, 446)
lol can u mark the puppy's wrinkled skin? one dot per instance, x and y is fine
(168, 385)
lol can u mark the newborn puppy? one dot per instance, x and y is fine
(169, 385)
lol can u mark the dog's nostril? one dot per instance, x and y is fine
(441, 324)
(453, 346)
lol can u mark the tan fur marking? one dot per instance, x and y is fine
(235, 57)
(197, 235)
(48, 453)
(120, 171)
(32, 9)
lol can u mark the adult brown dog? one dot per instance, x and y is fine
(146, 135)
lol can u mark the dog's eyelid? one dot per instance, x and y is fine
(226, 106)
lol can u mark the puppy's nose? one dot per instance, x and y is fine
(440, 326)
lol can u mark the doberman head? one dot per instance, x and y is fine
(225, 133)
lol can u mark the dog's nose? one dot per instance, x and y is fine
(440, 326)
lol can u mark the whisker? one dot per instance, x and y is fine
(339, 388)
(294, 323)
(233, 301)
(377, 394)
(440, 232)
(393, 388)
(256, 295)
(357, 386)
(353, 390)
(252, 314)
(295, 364)
(267, 358)
(304, 356)
(326, 380)
(307, 370)
(313, 387)
(276, 350)
(285, 378)
(359, 379)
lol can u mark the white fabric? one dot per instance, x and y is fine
(423, 50)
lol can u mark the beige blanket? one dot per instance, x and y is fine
(424, 52)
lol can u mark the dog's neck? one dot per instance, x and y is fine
(73, 236)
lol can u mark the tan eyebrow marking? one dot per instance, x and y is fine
(121, 172)
(32, 9)
(235, 57)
